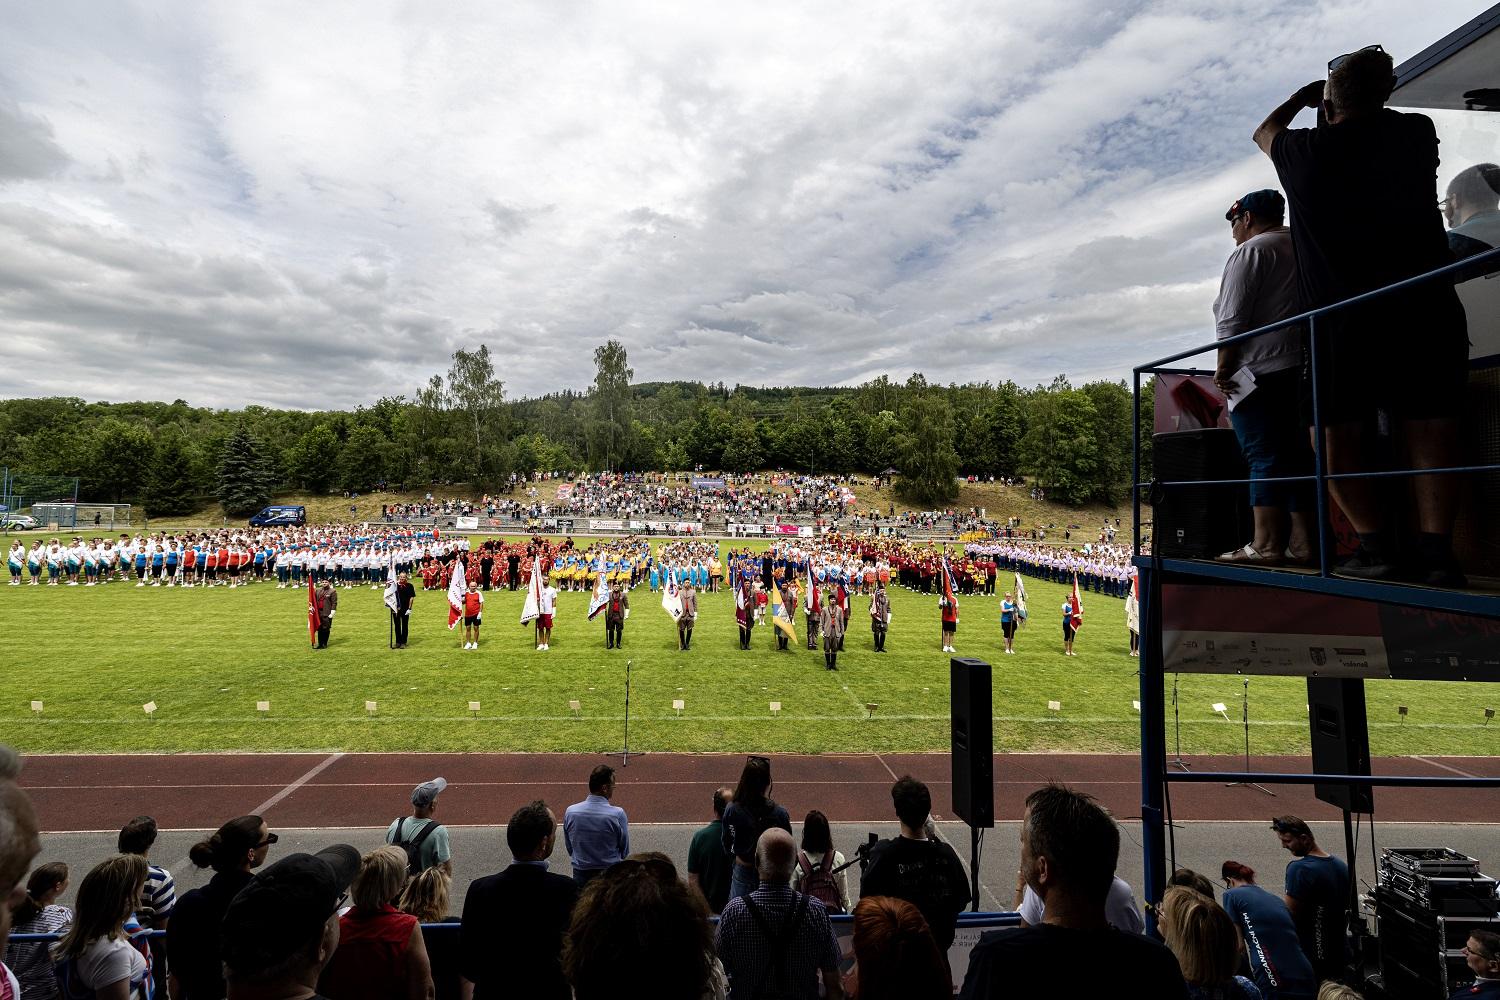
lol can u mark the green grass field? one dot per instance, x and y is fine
(94, 656)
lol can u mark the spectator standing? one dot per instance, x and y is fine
(235, 850)
(596, 832)
(775, 941)
(381, 954)
(159, 897)
(282, 928)
(816, 863)
(1363, 155)
(95, 957)
(1317, 894)
(1277, 963)
(511, 936)
(1069, 847)
(423, 839)
(1259, 287)
(19, 845)
(708, 863)
(38, 913)
(749, 814)
(916, 868)
(895, 957)
(1207, 946)
(640, 931)
(1120, 909)
(1482, 953)
(426, 898)
(1472, 210)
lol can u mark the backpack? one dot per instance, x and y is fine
(819, 882)
(413, 847)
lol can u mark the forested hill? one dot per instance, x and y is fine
(459, 427)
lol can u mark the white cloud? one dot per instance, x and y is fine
(313, 205)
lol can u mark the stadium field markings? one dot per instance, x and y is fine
(862, 716)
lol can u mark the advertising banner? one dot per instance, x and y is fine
(466, 523)
(600, 524)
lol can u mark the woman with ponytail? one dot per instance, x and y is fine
(235, 850)
(38, 913)
(1277, 964)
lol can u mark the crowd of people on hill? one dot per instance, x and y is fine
(746, 914)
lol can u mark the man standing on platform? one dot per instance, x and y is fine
(880, 615)
(689, 598)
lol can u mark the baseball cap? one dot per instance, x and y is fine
(427, 791)
(284, 907)
(1266, 203)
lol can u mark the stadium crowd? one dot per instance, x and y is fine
(341, 925)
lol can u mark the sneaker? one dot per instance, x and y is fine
(1367, 565)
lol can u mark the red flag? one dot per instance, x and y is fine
(314, 622)
(1077, 603)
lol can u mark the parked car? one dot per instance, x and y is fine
(18, 522)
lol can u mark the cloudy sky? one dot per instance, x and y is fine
(313, 204)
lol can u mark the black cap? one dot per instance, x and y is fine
(284, 907)
(1266, 203)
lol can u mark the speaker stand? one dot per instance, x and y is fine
(1177, 761)
(1245, 716)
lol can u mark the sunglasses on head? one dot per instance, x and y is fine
(1338, 61)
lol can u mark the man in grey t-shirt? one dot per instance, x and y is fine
(433, 848)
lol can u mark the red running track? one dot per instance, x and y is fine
(198, 791)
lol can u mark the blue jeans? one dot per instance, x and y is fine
(743, 880)
(1274, 441)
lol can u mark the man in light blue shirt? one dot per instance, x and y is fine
(596, 833)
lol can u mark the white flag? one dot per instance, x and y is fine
(390, 582)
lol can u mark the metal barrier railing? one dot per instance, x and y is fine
(1002, 918)
(1320, 476)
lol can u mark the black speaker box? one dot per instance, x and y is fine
(1199, 522)
(972, 715)
(1340, 739)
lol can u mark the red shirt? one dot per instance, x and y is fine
(372, 954)
(471, 602)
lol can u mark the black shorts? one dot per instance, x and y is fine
(471, 620)
(1069, 631)
(1409, 358)
(1009, 629)
(950, 626)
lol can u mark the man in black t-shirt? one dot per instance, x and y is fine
(1362, 187)
(924, 872)
(1069, 846)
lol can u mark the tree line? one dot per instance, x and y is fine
(1073, 441)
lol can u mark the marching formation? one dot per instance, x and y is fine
(802, 581)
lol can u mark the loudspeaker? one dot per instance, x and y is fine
(972, 714)
(1199, 522)
(1340, 739)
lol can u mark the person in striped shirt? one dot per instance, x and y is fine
(158, 898)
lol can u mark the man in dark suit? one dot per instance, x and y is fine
(511, 939)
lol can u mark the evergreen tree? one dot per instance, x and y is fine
(929, 463)
(245, 476)
(170, 488)
(611, 398)
(744, 453)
